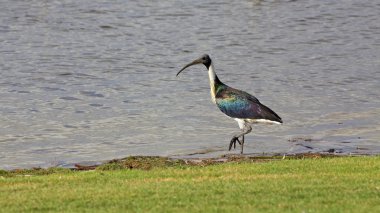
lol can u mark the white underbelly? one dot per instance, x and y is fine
(243, 122)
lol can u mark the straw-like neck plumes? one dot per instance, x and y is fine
(214, 81)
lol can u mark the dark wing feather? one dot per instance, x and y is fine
(239, 104)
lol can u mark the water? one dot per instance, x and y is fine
(95, 80)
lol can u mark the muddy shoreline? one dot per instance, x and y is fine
(151, 162)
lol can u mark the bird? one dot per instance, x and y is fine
(243, 107)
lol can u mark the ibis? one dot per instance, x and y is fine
(245, 108)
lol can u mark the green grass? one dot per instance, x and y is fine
(347, 184)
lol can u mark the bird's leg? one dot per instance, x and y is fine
(242, 144)
(233, 142)
(247, 129)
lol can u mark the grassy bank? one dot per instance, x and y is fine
(344, 184)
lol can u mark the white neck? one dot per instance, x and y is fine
(212, 76)
(211, 73)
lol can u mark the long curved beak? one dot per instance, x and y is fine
(198, 61)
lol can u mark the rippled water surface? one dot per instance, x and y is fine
(95, 80)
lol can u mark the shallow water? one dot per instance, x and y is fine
(95, 80)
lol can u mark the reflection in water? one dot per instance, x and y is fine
(96, 80)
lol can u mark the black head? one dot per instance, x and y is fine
(205, 59)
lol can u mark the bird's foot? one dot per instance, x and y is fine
(233, 142)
